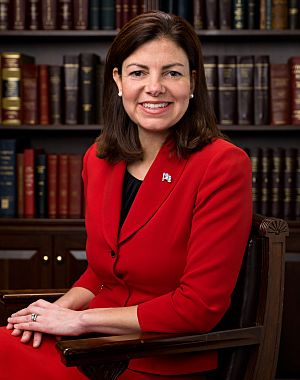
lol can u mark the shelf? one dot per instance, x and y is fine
(260, 128)
(53, 127)
(249, 34)
(81, 34)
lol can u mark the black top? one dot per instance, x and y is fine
(131, 186)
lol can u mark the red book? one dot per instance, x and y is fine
(29, 94)
(43, 94)
(29, 206)
(294, 65)
(279, 94)
(52, 164)
(75, 185)
(18, 13)
(63, 186)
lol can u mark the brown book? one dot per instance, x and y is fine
(52, 180)
(245, 84)
(125, 12)
(261, 90)
(75, 185)
(225, 15)
(65, 14)
(297, 207)
(199, 14)
(279, 14)
(266, 181)
(29, 94)
(279, 94)
(290, 178)
(43, 94)
(4, 14)
(20, 185)
(80, 14)
(33, 14)
(294, 68)
(212, 14)
(29, 183)
(133, 8)
(227, 89)
(119, 14)
(278, 182)
(63, 186)
(49, 14)
(211, 75)
(55, 93)
(71, 88)
(18, 13)
(262, 14)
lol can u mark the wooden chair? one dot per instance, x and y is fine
(247, 338)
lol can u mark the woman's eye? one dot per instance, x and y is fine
(136, 74)
(173, 74)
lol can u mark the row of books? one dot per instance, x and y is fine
(276, 181)
(36, 184)
(247, 90)
(32, 93)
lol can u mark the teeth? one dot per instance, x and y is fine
(157, 105)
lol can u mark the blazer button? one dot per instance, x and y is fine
(113, 254)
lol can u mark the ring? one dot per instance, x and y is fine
(34, 317)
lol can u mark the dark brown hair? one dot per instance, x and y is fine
(119, 139)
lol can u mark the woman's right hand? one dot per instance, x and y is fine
(26, 336)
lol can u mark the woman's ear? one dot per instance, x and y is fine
(117, 79)
(193, 80)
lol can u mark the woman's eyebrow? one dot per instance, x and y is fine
(165, 67)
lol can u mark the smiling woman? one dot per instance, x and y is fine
(168, 213)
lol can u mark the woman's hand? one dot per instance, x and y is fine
(26, 335)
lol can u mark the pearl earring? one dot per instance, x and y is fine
(120, 93)
(191, 96)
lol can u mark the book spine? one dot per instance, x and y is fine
(278, 182)
(227, 89)
(71, 80)
(239, 14)
(34, 14)
(52, 179)
(29, 94)
(261, 90)
(253, 14)
(290, 176)
(262, 14)
(94, 15)
(268, 14)
(245, 84)
(293, 14)
(29, 183)
(80, 17)
(43, 94)
(279, 14)
(75, 185)
(18, 14)
(279, 94)
(256, 163)
(266, 183)
(4, 14)
(125, 12)
(49, 14)
(8, 181)
(198, 14)
(41, 185)
(20, 185)
(63, 186)
(119, 14)
(99, 92)
(133, 8)
(55, 93)
(297, 208)
(212, 14)
(294, 70)
(225, 15)
(211, 75)
(184, 9)
(65, 14)
(107, 14)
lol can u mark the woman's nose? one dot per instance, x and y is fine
(155, 86)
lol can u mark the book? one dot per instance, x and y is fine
(41, 184)
(290, 177)
(227, 89)
(33, 14)
(293, 14)
(225, 15)
(108, 16)
(265, 9)
(75, 186)
(18, 14)
(212, 14)
(252, 20)
(65, 14)
(297, 206)
(99, 92)
(94, 14)
(124, 11)
(294, 76)
(71, 88)
(20, 184)
(211, 75)
(55, 94)
(29, 183)
(29, 95)
(239, 14)
(245, 85)
(8, 182)
(266, 181)
(52, 185)
(80, 14)
(4, 14)
(199, 14)
(256, 163)
(279, 14)
(43, 94)
(279, 94)
(63, 186)
(184, 10)
(261, 90)
(11, 75)
(133, 8)
(278, 182)
(49, 14)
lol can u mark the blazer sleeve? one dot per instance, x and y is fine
(219, 234)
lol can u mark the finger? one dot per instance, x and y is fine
(25, 315)
(16, 332)
(26, 336)
(9, 326)
(37, 339)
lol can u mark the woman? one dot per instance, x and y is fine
(168, 212)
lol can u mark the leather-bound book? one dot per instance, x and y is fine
(239, 14)
(108, 16)
(34, 14)
(20, 184)
(252, 14)
(199, 14)
(125, 12)
(212, 14)
(256, 163)
(293, 14)
(261, 90)
(133, 8)
(75, 185)
(55, 93)
(18, 14)
(63, 186)
(99, 92)
(290, 177)
(94, 14)
(49, 14)
(80, 14)
(266, 181)
(294, 67)
(71, 86)
(225, 14)
(279, 94)
(211, 74)
(227, 89)
(65, 14)
(41, 184)
(245, 85)
(8, 182)
(184, 9)
(119, 14)
(11, 75)
(87, 87)
(52, 185)
(43, 94)
(297, 207)
(265, 9)
(29, 94)
(4, 14)
(29, 183)
(279, 14)
(278, 182)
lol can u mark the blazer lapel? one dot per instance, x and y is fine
(157, 185)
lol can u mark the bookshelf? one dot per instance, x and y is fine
(55, 247)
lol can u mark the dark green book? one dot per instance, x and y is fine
(94, 14)
(107, 15)
(8, 181)
(245, 84)
(239, 14)
(71, 88)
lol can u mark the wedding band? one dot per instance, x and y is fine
(34, 317)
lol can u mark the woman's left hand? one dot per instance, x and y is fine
(49, 318)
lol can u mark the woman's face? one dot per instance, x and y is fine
(156, 85)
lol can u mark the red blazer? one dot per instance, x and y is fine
(180, 248)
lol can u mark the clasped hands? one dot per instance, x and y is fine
(44, 317)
